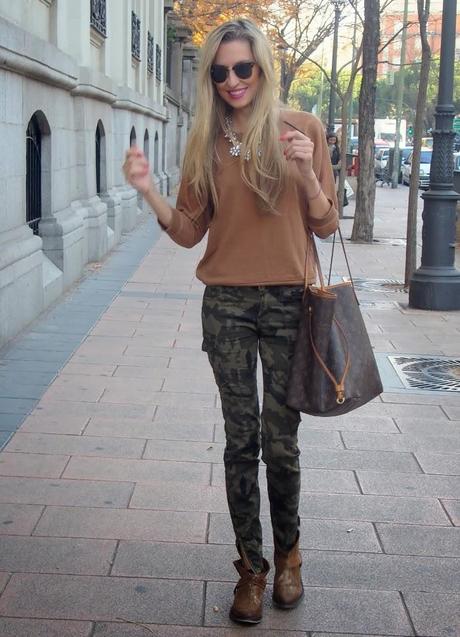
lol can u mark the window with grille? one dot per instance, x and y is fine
(135, 36)
(98, 16)
(158, 63)
(150, 61)
(33, 174)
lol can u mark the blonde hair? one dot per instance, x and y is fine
(264, 172)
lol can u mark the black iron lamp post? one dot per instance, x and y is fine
(436, 284)
(338, 4)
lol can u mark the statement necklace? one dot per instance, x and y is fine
(235, 143)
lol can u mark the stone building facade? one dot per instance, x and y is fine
(79, 82)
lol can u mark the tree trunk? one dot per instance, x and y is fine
(363, 226)
(423, 7)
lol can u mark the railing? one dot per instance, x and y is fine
(135, 36)
(158, 63)
(149, 52)
(98, 16)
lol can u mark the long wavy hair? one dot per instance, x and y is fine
(264, 172)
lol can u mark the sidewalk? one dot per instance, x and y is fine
(114, 521)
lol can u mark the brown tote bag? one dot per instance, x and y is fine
(333, 369)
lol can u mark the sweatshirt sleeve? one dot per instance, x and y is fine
(190, 221)
(322, 166)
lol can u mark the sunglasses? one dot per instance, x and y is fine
(243, 70)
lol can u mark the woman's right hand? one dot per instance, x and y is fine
(137, 170)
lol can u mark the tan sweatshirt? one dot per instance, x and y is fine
(247, 246)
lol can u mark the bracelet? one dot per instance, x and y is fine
(320, 190)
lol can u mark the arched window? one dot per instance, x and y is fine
(38, 164)
(146, 143)
(101, 172)
(132, 137)
(156, 155)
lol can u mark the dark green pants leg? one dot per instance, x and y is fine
(236, 321)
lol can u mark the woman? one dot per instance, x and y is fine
(254, 183)
(334, 153)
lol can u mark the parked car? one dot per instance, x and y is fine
(425, 165)
(403, 155)
(380, 161)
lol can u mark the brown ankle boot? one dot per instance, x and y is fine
(249, 593)
(287, 585)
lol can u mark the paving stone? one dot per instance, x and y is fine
(434, 615)
(103, 599)
(79, 388)
(434, 486)
(184, 451)
(11, 389)
(17, 405)
(19, 519)
(350, 459)
(32, 465)
(401, 411)
(175, 561)
(440, 463)
(179, 415)
(138, 371)
(453, 412)
(432, 398)
(76, 445)
(128, 524)
(120, 630)
(148, 429)
(328, 535)
(30, 366)
(420, 427)
(63, 409)
(313, 480)
(117, 469)
(322, 609)
(10, 627)
(373, 508)
(69, 492)
(180, 496)
(38, 422)
(401, 442)
(420, 540)
(43, 355)
(10, 422)
(453, 509)
(307, 438)
(88, 370)
(4, 437)
(56, 555)
(350, 423)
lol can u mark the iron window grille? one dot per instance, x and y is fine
(135, 36)
(98, 16)
(158, 63)
(149, 52)
(98, 160)
(33, 175)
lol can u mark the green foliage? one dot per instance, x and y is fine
(386, 93)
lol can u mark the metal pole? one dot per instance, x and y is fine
(399, 98)
(436, 284)
(332, 94)
(350, 113)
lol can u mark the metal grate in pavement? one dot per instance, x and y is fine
(377, 285)
(432, 373)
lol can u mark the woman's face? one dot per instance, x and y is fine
(236, 92)
(332, 141)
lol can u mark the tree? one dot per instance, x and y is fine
(363, 225)
(203, 15)
(423, 8)
(298, 28)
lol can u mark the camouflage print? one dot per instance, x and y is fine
(239, 322)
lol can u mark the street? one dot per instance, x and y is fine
(114, 519)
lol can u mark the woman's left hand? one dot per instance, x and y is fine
(299, 148)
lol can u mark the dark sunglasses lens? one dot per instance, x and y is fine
(243, 70)
(219, 73)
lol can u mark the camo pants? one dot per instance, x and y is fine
(238, 322)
